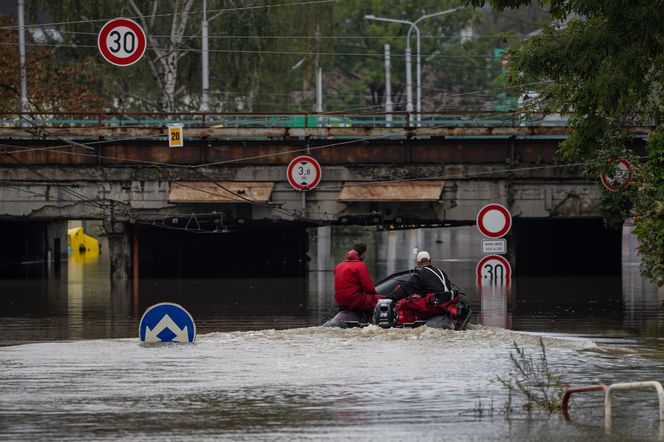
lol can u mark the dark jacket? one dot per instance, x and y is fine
(422, 281)
(353, 287)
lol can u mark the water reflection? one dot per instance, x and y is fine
(83, 303)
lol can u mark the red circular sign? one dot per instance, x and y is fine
(493, 270)
(304, 173)
(494, 220)
(121, 42)
(621, 176)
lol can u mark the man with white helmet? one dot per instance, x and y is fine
(425, 279)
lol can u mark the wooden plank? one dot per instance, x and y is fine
(429, 190)
(220, 192)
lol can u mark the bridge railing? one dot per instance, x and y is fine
(280, 120)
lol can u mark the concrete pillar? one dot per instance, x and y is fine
(56, 246)
(324, 248)
(119, 245)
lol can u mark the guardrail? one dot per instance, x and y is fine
(587, 389)
(608, 395)
(278, 120)
(633, 386)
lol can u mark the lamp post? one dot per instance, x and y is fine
(413, 25)
(205, 64)
(409, 75)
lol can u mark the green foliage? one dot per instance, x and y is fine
(532, 380)
(601, 64)
(254, 49)
(648, 209)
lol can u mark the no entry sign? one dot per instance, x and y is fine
(304, 173)
(494, 220)
(121, 42)
(620, 177)
(493, 270)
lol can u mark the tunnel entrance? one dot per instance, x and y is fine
(566, 247)
(274, 251)
(32, 249)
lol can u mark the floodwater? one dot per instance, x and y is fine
(262, 369)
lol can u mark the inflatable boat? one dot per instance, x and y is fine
(385, 314)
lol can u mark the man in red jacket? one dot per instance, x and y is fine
(353, 287)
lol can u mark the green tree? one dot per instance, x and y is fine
(361, 78)
(601, 64)
(53, 85)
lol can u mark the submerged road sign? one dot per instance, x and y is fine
(304, 173)
(493, 270)
(121, 42)
(166, 322)
(494, 220)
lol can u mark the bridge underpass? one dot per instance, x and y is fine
(233, 180)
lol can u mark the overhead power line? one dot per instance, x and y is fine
(249, 51)
(212, 11)
(313, 37)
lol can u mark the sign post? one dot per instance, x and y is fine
(303, 173)
(121, 42)
(494, 221)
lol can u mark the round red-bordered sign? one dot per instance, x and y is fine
(303, 173)
(621, 177)
(494, 220)
(493, 270)
(121, 42)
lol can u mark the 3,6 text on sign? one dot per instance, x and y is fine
(304, 173)
(121, 42)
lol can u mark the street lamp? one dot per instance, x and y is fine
(413, 25)
(409, 75)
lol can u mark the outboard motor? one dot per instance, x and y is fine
(383, 315)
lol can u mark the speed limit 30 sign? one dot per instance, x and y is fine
(121, 42)
(303, 173)
(493, 270)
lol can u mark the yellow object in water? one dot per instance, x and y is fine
(82, 243)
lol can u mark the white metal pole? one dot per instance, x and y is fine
(319, 90)
(205, 68)
(388, 85)
(409, 81)
(21, 58)
(419, 72)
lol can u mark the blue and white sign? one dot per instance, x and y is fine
(166, 322)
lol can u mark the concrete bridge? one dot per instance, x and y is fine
(230, 175)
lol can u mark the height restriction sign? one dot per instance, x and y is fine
(304, 173)
(494, 220)
(121, 42)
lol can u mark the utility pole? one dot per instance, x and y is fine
(205, 68)
(409, 75)
(409, 81)
(21, 59)
(319, 74)
(388, 85)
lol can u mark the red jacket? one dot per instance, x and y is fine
(353, 287)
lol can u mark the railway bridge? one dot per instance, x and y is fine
(392, 171)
